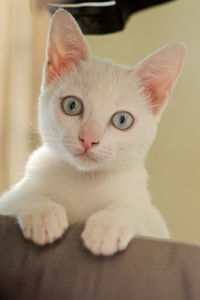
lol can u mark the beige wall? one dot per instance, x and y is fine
(174, 160)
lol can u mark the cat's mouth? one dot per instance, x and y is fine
(87, 156)
(90, 160)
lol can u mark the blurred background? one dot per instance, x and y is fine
(174, 159)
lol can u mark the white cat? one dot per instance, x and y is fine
(97, 121)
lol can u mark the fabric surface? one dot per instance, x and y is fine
(149, 269)
(101, 16)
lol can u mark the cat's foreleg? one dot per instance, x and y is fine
(42, 220)
(111, 230)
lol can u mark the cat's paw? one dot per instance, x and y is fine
(104, 235)
(44, 223)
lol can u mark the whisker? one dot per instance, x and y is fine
(107, 148)
(104, 151)
(70, 145)
(68, 137)
(68, 141)
(102, 155)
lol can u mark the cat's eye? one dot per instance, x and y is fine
(122, 120)
(72, 106)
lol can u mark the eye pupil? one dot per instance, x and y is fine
(72, 105)
(122, 119)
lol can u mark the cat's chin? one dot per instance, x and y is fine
(87, 163)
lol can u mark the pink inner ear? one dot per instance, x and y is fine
(57, 62)
(158, 90)
(159, 73)
(162, 89)
(66, 45)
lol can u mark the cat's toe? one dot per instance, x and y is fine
(106, 237)
(44, 225)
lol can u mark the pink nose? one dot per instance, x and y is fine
(88, 141)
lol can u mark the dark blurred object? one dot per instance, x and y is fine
(100, 17)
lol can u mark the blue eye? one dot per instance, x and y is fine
(72, 106)
(122, 120)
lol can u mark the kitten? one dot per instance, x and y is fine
(97, 121)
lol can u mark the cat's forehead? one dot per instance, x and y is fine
(102, 81)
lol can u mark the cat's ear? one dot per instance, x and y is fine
(66, 45)
(158, 75)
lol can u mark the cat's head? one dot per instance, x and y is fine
(94, 113)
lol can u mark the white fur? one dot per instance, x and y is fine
(109, 194)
